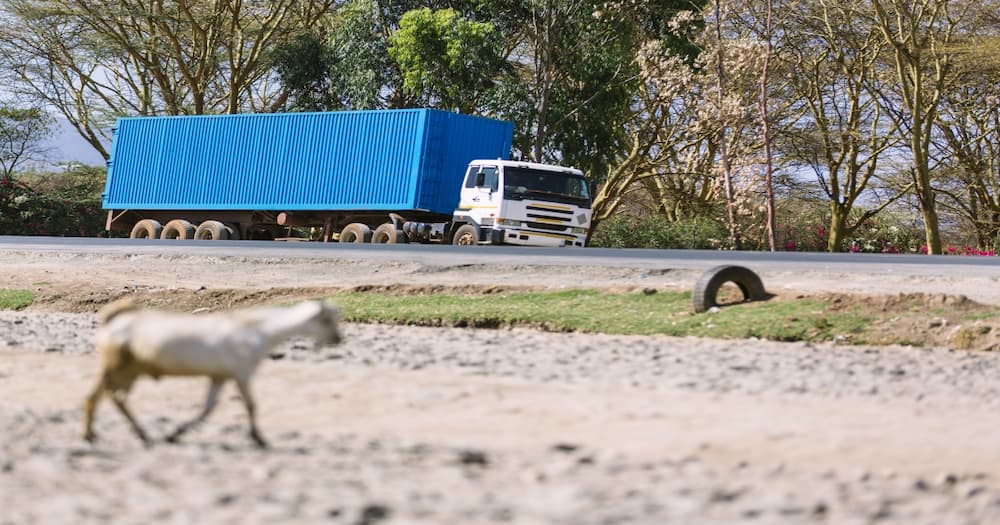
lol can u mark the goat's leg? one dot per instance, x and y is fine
(119, 399)
(251, 412)
(90, 405)
(210, 402)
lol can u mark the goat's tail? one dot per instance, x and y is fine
(115, 308)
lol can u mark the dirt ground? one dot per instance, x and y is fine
(450, 425)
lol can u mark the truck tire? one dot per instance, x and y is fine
(146, 229)
(465, 235)
(211, 231)
(178, 229)
(388, 234)
(356, 232)
(706, 290)
(234, 231)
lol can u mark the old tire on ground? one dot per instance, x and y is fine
(706, 289)
(465, 235)
(388, 234)
(146, 229)
(178, 229)
(211, 231)
(356, 232)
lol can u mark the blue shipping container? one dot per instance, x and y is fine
(411, 159)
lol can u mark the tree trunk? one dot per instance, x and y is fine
(766, 131)
(838, 222)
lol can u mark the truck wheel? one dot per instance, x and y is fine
(465, 235)
(388, 234)
(706, 290)
(178, 229)
(356, 232)
(146, 229)
(211, 231)
(233, 230)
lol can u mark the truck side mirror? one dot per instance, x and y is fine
(480, 179)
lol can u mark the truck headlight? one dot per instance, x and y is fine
(511, 223)
(579, 231)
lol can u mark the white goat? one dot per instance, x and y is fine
(133, 342)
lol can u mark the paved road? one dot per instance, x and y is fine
(916, 265)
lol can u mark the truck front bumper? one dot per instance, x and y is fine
(533, 238)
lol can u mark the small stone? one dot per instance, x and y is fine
(373, 513)
(473, 457)
(565, 447)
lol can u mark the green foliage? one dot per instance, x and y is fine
(15, 299)
(304, 65)
(55, 204)
(22, 131)
(362, 74)
(446, 60)
(693, 233)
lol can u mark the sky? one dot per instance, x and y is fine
(66, 146)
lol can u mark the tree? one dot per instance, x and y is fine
(969, 126)
(303, 65)
(919, 35)
(842, 134)
(95, 60)
(446, 60)
(22, 133)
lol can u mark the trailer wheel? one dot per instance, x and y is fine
(146, 229)
(706, 290)
(465, 235)
(233, 230)
(211, 231)
(178, 229)
(356, 232)
(388, 234)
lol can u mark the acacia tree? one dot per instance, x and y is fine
(95, 60)
(22, 132)
(919, 36)
(969, 130)
(842, 133)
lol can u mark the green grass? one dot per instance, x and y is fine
(664, 313)
(15, 299)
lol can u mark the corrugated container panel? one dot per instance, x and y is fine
(350, 160)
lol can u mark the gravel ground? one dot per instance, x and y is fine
(432, 425)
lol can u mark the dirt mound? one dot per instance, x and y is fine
(82, 299)
(926, 320)
(903, 302)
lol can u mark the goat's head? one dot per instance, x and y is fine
(326, 324)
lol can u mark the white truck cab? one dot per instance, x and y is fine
(522, 203)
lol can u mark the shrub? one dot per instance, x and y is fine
(55, 204)
(694, 233)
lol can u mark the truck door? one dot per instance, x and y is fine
(480, 189)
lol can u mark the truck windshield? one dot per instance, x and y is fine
(527, 183)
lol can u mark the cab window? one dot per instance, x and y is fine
(490, 174)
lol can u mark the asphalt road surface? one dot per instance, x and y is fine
(874, 264)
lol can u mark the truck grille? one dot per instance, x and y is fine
(548, 218)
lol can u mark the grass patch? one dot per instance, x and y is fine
(15, 299)
(663, 313)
